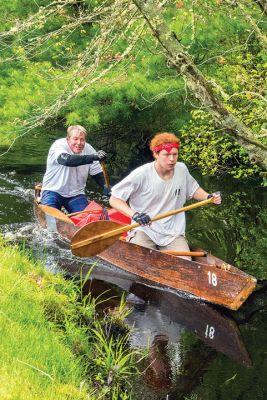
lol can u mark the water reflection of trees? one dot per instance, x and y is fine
(235, 231)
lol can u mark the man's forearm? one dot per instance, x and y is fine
(74, 160)
(200, 194)
(121, 206)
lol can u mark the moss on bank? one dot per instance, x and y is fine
(49, 340)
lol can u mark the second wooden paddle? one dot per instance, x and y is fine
(54, 212)
(95, 237)
(105, 173)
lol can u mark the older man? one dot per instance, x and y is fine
(155, 188)
(70, 160)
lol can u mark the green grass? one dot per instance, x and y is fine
(49, 339)
(34, 361)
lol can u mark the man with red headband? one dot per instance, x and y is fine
(156, 188)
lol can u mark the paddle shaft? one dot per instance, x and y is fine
(184, 253)
(105, 173)
(125, 228)
(82, 212)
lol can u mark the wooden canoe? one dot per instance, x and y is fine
(206, 277)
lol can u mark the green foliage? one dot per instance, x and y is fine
(234, 231)
(243, 77)
(34, 361)
(141, 95)
(50, 336)
(25, 91)
(115, 364)
(238, 77)
(250, 239)
(13, 9)
(212, 150)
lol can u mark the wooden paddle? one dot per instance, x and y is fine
(95, 237)
(83, 212)
(105, 173)
(54, 212)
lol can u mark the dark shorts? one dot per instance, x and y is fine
(71, 204)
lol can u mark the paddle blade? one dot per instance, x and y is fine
(55, 213)
(91, 230)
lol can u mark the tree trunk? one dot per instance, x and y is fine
(198, 85)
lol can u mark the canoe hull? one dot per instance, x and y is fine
(226, 287)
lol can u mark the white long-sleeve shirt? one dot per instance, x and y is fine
(68, 181)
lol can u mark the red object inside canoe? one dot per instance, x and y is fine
(97, 212)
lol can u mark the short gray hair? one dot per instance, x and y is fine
(78, 128)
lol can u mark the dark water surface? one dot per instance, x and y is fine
(197, 351)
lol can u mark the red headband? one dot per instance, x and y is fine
(165, 146)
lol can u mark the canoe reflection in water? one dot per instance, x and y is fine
(161, 321)
(175, 353)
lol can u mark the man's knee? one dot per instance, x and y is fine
(179, 244)
(77, 203)
(142, 239)
(51, 199)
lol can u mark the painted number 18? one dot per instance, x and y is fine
(212, 278)
(210, 332)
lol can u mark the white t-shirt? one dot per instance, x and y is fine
(68, 181)
(147, 192)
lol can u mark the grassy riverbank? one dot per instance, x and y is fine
(52, 346)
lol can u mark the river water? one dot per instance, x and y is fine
(197, 351)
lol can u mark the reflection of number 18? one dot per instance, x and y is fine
(210, 332)
(212, 278)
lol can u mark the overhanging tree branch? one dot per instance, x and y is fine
(197, 84)
(254, 24)
(263, 5)
(37, 20)
(91, 67)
